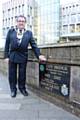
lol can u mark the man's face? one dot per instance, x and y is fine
(21, 22)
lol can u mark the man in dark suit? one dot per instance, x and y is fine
(16, 53)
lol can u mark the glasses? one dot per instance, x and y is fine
(21, 21)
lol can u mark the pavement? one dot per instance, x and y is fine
(31, 107)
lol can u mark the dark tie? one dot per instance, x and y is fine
(20, 31)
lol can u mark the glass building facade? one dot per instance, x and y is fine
(48, 21)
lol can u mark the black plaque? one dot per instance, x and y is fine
(55, 77)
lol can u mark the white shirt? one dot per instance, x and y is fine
(20, 35)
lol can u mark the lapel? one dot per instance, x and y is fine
(25, 38)
(14, 38)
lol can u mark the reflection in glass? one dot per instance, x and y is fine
(47, 21)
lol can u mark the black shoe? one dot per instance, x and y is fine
(24, 92)
(13, 93)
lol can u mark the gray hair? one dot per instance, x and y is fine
(22, 17)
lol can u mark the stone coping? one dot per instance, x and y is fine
(66, 44)
(62, 44)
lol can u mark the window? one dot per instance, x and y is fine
(73, 18)
(65, 29)
(9, 12)
(12, 21)
(22, 8)
(30, 10)
(19, 9)
(78, 28)
(72, 28)
(78, 18)
(15, 10)
(12, 11)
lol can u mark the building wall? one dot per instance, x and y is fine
(14, 8)
(70, 17)
(42, 18)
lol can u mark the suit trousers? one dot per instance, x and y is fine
(17, 75)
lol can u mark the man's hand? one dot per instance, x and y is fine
(6, 59)
(42, 58)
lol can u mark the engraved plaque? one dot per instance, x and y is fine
(55, 78)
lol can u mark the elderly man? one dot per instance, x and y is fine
(16, 53)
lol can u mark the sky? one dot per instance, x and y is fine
(2, 1)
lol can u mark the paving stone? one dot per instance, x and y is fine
(31, 107)
(9, 106)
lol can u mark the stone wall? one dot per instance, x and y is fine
(64, 54)
(3, 67)
(32, 74)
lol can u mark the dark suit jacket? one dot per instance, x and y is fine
(18, 53)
